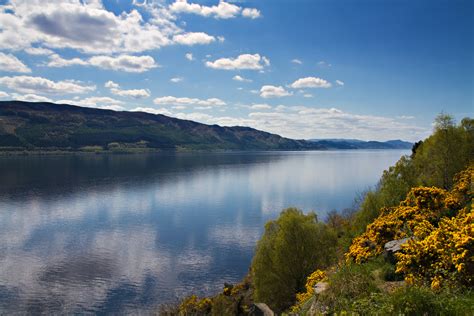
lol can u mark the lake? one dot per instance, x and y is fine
(109, 233)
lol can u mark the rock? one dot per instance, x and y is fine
(320, 287)
(261, 309)
(393, 247)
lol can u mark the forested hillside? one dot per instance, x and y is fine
(48, 126)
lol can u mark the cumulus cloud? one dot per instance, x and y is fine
(111, 85)
(134, 93)
(27, 84)
(189, 56)
(244, 61)
(170, 100)
(30, 97)
(262, 106)
(87, 27)
(96, 102)
(176, 79)
(339, 82)
(310, 82)
(251, 13)
(193, 38)
(307, 95)
(38, 51)
(296, 61)
(223, 10)
(301, 122)
(269, 91)
(152, 110)
(125, 63)
(57, 61)
(3, 94)
(241, 79)
(9, 63)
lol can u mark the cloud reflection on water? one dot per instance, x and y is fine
(114, 233)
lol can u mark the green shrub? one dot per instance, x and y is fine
(292, 247)
(351, 282)
(412, 300)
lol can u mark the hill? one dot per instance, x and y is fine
(49, 126)
(361, 144)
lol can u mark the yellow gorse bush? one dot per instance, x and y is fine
(442, 256)
(192, 305)
(421, 204)
(301, 298)
(440, 225)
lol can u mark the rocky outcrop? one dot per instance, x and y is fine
(392, 247)
(261, 309)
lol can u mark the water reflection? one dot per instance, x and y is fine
(115, 233)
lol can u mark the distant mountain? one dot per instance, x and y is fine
(48, 126)
(361, 144)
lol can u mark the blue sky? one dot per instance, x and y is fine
(303, 69)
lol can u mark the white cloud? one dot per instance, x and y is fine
(57, 61)
(30, 98)
(324, 64)
(310, 82)
(10, 63)
(262, 106)
(111, 85)
(134, 93)
(241, 79)
(152, 110)
(113, 107)
(296, 61)
(223, 10)
(38, 51)
(300, 122)
(125, 63)
(269, 91)
(170, 100)
(307, 95)
(339, 82)
(96, 102)
(193, 38)
(4, 94)
(176, 79)
(86, 26)
(251, 13)
(244, 61)
(189, 56)
(27, 84)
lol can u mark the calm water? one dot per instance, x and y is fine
(127, 232)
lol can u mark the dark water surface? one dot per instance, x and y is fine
(128, 232)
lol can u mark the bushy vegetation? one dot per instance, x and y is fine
(292, 247)
(440, 227)
(434, 162)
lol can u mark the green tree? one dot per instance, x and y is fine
(446, 152)
(433, 162)
(292, 247)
